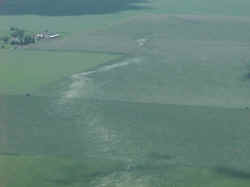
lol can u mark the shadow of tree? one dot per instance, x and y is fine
(66, 7)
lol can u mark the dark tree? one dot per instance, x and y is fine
(15, 42)
(28, 39)
(5, 39)
(13, 28)
(18, 33)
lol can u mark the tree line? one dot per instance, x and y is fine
(18, 37)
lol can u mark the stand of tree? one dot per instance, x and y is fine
(18, 37)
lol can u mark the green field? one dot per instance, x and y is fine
(68, 24)
(171, 112)
(193, 60)
(207, 146)
(199, 7)
(162, 32)
(75, 7)
(25, 71)
(26, 171)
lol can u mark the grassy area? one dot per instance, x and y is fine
(40, 171)
(78, 7)
(204, 177)
(185, 61)
(195, 60)
(24, 171)
(124, 131)
(74, 7)
(199, 7)
(26, 71)
(57, 23)
(157, 29)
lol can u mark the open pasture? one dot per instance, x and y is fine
(194, 60)
(174, 113)
(89, 145)
(56, 172)
(25, 71)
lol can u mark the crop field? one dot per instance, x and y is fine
(123, 36)
(196, 60)
(77, 7)
(56, 172)
(199, 7)
(66, 8)
(41, 171)
(68, 24)
(137, 94)
(102, 150)
(25, 71)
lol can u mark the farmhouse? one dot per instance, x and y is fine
(54, 36)
(20, 37)
(39, 36)
(46, 35)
